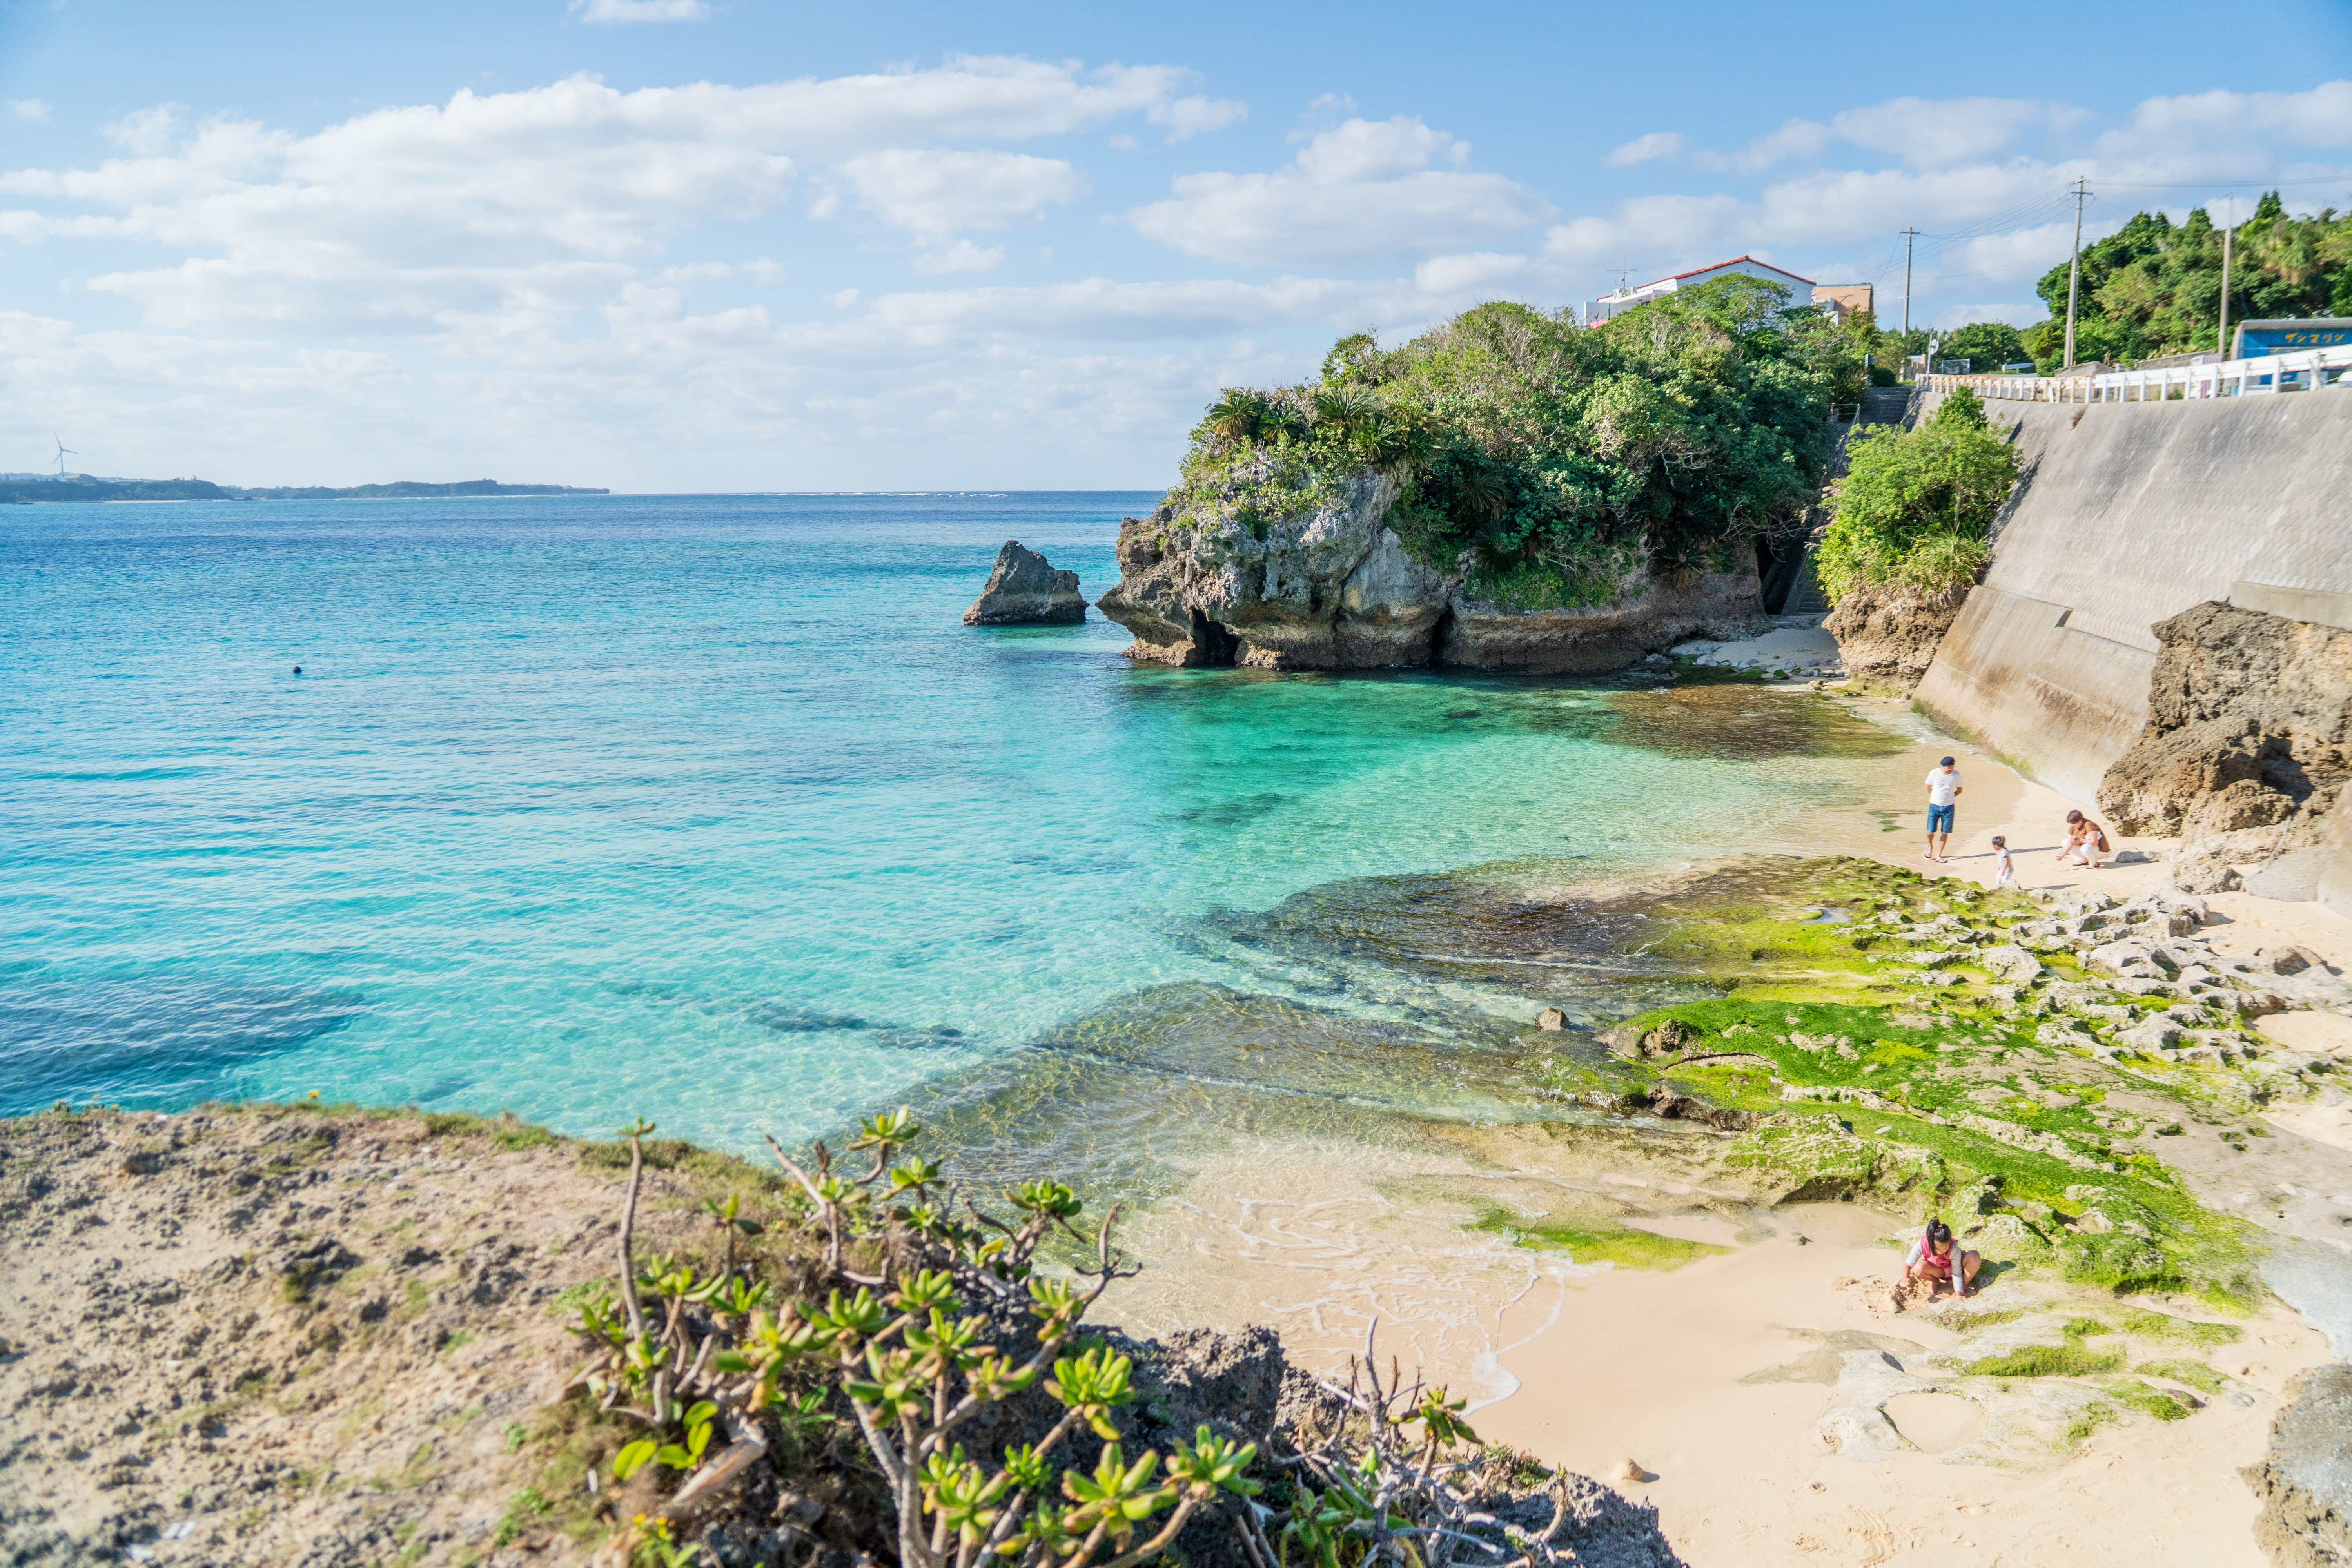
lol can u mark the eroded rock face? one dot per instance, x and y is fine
(2249, 715)
(1658, 613)
(1025, 590)
(1888, 638)
(2305, 1483)
(1335, 589)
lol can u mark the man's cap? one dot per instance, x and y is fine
(1947, 762)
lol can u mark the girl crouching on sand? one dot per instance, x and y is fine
(2085, 841)
(1935, 1260)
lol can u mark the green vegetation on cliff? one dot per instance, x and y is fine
(1915, 510)
(1562, 461)
(2154, 288)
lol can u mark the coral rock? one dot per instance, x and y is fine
(1025, 590)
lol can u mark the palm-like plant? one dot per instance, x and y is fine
(1238, 414)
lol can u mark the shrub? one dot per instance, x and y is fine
(1915, 510)
(949, 1318)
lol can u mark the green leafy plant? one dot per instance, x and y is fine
(1915, 508)
(696, 1357)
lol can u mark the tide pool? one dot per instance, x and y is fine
(704, 808)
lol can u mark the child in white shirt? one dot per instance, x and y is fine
(2004, 875)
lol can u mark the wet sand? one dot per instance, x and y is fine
(1595, 1366)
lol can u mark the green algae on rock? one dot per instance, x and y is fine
(1623, 1246)
(1887, 1054)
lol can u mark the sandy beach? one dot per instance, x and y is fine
(1711, 1379)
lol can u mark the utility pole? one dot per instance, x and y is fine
(2223, 348)
(2074, 270)
(1909, 236)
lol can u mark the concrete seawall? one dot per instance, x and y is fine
(2126, 514)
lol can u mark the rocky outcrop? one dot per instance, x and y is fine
(2304, 1482)
(2245, 755)
(1655, 615)
(1333, 588)
(1888, 636)
(2249, 715)
(1025, 590)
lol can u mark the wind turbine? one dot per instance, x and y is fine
(64, 452)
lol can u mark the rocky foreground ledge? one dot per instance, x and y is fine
(291, 1334)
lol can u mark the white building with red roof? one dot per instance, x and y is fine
(1800, 290)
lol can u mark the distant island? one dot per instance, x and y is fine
(29, 488)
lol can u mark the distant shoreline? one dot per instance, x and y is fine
(85, 489)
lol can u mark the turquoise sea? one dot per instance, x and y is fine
(709, 808)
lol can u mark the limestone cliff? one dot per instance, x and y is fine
(2245, 754)
(2249, 714)
(1332, 587)
(1888, 636)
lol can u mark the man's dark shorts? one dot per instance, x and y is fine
(1940, 817)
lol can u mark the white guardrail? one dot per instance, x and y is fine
(2306, 370)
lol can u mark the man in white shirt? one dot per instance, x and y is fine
(1943, 797)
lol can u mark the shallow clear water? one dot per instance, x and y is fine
(707, 809)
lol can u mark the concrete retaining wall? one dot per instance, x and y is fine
(2126, 514)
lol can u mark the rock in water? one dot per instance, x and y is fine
(1026, 591)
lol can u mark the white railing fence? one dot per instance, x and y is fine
(2306, 370)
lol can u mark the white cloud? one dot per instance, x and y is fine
(932, 192)
(1795, 139)
(410, 219)
(641, 10)
(963, 255)
(1100, 309)
(516, 241)
(1936, 134)
(1189, 116)
(1358, 194)
(146, 131)
(32, 108)
(1643, 149)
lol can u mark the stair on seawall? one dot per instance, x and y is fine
(1885, 406)
(1805, 595)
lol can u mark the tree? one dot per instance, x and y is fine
(1559, 459)
(1986, 345)
(2154, 288)
(1915, 510)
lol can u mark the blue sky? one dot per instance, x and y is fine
(736, 243)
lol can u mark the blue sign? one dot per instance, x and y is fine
(2261, 344)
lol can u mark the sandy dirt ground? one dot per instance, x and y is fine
(1594, 1367)
(1614, 1371)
